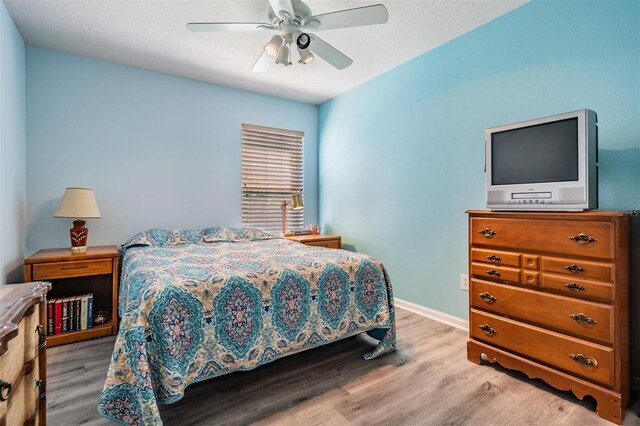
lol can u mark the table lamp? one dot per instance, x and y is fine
(78, 204)
(296, 203)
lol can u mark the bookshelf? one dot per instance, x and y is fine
(74, 274)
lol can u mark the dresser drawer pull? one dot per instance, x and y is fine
(488, 330)
(583, 319)
(574, 269)
(488, 297)
(575, 287)
(41, 387)
(583, 360)
(494, 259)
(583, 239)
(5, 390)
(41, 336)
(70, 268)
(493, 273)
(487, 233)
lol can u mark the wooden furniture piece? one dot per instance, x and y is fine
(549, 297)
(75, 273)
(329, 241)
(23, 362)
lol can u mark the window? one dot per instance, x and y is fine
(272, 171)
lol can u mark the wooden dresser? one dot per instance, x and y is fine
(549, 297)
(23, 354)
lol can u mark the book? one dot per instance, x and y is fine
(65, 314)
(50, 313)
(72, 307)
(90, 311)
(76, 310)
(84, 305)
(57, 317)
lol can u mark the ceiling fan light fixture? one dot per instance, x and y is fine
(273, 46)
(305, 56)
(303, 41)
(283, 55)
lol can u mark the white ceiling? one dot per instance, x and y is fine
(152, 35)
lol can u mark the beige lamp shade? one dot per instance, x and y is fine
(78, 203)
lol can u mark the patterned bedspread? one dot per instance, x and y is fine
(196, 304)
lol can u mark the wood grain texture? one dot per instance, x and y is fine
(428, 381)
(591, 248)
(329, 241)
(74, 273)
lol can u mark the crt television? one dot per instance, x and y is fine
(548, 163)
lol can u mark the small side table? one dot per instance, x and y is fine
(329, 241)
(72, 274)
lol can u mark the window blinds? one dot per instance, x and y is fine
(272, 171)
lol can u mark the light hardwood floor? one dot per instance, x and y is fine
(428, 381)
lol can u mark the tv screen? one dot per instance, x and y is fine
(535, 154)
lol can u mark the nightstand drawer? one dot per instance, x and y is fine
(328, 244)
(80, 268)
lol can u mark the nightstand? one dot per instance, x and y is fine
(77, 273)
(329, 241)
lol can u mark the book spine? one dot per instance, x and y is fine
(78, 311)
(65, 315)
(57, 319)
(90, 311)
(83, 312)
(50, 309)
(71, 314)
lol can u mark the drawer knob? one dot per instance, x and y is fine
(583, 360)
(575, 287)
(583, 239)
(5, 390)
(493, 273)
(487, 329)
(488, 297)
(574, 269)
(487, 233)
(494, 259)
(583, 319)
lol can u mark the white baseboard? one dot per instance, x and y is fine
(432, 314)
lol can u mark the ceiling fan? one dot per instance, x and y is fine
(292, 19)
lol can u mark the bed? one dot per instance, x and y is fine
(197, 304)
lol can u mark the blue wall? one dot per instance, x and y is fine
(401, 157)
(158, 150)
(12, 150)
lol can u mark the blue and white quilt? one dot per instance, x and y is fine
(196, 304)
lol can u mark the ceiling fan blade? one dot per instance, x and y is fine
(197, 27)
(282, 5)
(360, 16)
(263, 63)
(329, 53)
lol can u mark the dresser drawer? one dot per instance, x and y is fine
(587, 319)
(80, 268)
(579, 268)
(495, 273)
(496, 257)
(545, 346)
(545, 235)
(577, 287)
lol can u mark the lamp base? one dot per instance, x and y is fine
(79, 249)
(78, 235)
